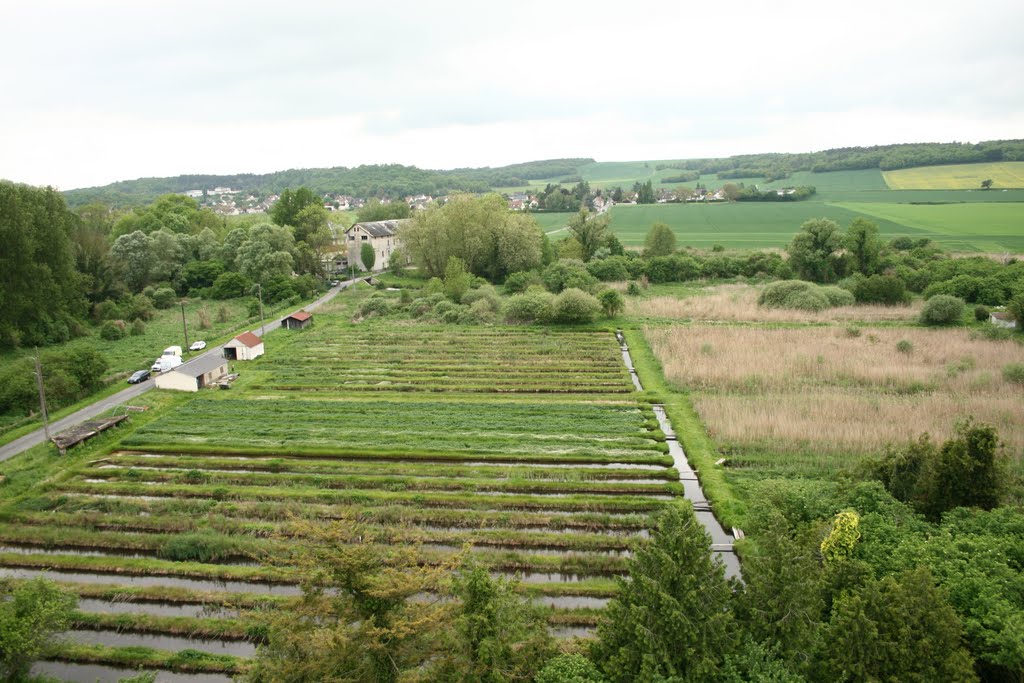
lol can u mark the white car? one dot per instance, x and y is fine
(197, 346)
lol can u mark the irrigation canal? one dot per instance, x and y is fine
(721, 540)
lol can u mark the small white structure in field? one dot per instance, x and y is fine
(194, 375)
(246, 346)
(1002, 319)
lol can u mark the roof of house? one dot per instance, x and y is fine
(299, 315)
(380, 228)
(200, 366)
(247, 338)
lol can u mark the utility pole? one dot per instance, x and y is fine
(42, 396)
(262, 324)
(184, 325)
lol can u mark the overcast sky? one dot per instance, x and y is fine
(93, 92)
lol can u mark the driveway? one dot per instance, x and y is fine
(126, 395)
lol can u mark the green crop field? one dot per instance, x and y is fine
(1003, 174)
(741, 225)
(525, 443)
(989, 227)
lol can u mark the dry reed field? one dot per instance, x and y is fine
(738, 302)
(827, 389)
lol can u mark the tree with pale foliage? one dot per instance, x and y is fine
(491, 240)
(660, 241)
(31, 615)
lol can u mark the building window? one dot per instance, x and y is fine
(364, 238)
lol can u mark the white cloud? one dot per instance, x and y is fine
(118, 90)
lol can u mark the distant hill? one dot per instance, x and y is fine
(396, 180)
(391, 180)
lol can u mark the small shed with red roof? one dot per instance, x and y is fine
(245, 346)
(297, 321)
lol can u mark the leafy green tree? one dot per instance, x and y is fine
(31, 614)
(290, 204)
(589, 230)
(456, 279)
(375, 210)
(942, 309)
(569, 668)
(671, 619)
(896, 629)
(356, 620)
(781, 604)
(489, 238)
(230, 285)
(816, 251)
(266, 252)
(660, 241)
(1015, 307)
(969, 471)
(367, 256)
(40, 291)
(644, 192)
(397, 262)
(986, 184)
(612, 302)
(496, 637)
(133, 257)
(863, 245)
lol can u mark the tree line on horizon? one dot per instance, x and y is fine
(397, 180)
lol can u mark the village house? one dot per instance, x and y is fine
(194, 375)
(297, 321)
(381, 235)
(246, 346)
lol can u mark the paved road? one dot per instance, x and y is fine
(126, 395)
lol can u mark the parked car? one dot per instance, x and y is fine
(165, 363)
(139, 376)
(197, 346)
(172, 351)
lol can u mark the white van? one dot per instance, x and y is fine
(172, 351)
(165, 363)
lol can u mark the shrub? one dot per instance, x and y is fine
(904, 346)
(107, 310)
(796, 294)
(230, 286)
(612, 302)
(567, 274)
(569, 668)
(481, 311)
(889, 290)
(457, 279)
(575, 306)
(375, 305)
(164, 297)
(441, 308)
(611, 269)
(633, 289)
(434, 286)
(981, 313)
(942, 309)
(672, 269)
(516, 283)
(1014, 373)
(138, 328)
(837, 296)
(484, 294)
(222, 314)
(531, 306)
(112, 330)
(139, 306)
